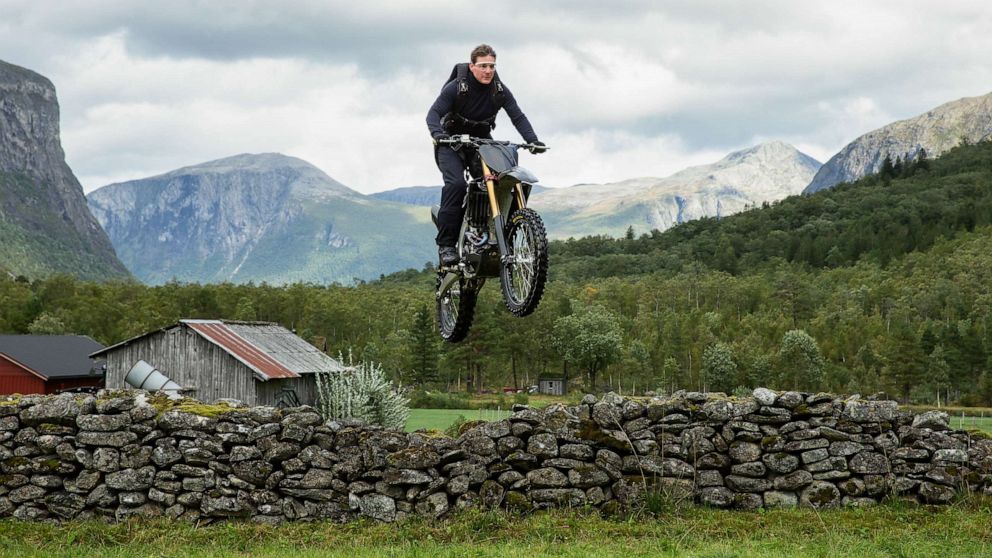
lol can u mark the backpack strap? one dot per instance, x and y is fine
(460, 74)
(499, 96)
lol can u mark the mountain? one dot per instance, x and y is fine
(264, 217)
(765, 173)
(45, 225)
(936, 131)
(928, 203)
(425, 196)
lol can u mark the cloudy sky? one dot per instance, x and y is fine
(618, 89)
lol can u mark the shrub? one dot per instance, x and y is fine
(439, 400)
(361, 392)
(453, 431)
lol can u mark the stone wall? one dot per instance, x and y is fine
(123, 454)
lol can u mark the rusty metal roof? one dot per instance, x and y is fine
(270, 350)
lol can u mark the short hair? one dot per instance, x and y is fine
(482, 50)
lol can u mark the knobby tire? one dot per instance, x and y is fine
(523, 280)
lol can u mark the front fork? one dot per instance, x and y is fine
(498, 219)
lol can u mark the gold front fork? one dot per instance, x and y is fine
(491, 188)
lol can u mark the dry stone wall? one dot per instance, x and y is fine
(120, 454)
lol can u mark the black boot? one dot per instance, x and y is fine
(448, 255)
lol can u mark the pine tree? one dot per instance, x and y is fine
(887, 168)
(423, 348)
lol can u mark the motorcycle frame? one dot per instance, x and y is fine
(501, 196)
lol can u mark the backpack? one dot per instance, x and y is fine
(454, 122)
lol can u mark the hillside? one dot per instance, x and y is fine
(878, 217)
(45, 226)
(936, 131)
(264, 217)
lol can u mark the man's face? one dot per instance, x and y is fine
(484, 69)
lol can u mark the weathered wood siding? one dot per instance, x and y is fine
(190, 361)
(305, 388)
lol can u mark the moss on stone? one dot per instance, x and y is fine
(163, 404)
(432, 433)
(16, 461)
(469, 425)
(769, 441)
(975, 433)
(11, 400)
(801, 409)
(515, 501)
(51, 464)
(821, 496)
(205, 410)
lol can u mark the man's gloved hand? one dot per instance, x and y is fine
(538, 147)
(439, 137)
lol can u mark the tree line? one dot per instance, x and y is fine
(904, 305)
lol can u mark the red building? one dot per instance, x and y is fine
(48, 363)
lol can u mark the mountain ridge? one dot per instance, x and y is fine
(46, 226)
(257, 217)
(762, 173)
(936, 130)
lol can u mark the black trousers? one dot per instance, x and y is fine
(449, 219)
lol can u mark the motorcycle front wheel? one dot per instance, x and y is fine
(456, 308)
(524, 273)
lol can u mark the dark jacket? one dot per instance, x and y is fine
(478, 104)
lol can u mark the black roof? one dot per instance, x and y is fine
(54, 356)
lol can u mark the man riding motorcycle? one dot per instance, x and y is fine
(468, 104)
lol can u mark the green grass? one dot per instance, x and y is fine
(440, 419)
(964, 529)
(968, 423)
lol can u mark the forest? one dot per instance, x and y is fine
(878, 285)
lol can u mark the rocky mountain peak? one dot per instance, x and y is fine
(45, 225)
(936, 131)
(303, 176)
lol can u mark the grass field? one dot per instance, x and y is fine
(968, 423)
(964, 529)
(440, 419)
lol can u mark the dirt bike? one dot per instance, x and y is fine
(500, 237)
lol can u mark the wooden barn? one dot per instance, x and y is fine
(258, 363)
(48, 364)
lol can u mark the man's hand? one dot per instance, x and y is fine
(440, 137)
(538, 147)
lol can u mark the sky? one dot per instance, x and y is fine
(617, 89)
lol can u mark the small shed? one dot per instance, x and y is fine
(551, 385)
(259, 363)
(48, 364)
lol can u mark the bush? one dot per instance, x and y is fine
(521, 399)
(439, 400)
(453, 431)
(361, 392)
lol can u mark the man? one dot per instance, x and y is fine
(468, 106)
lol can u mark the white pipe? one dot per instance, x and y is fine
(144, 376)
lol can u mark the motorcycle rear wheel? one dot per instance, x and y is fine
(456, 309)
(524, 275)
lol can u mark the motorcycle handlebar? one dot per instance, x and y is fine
(465, 139)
